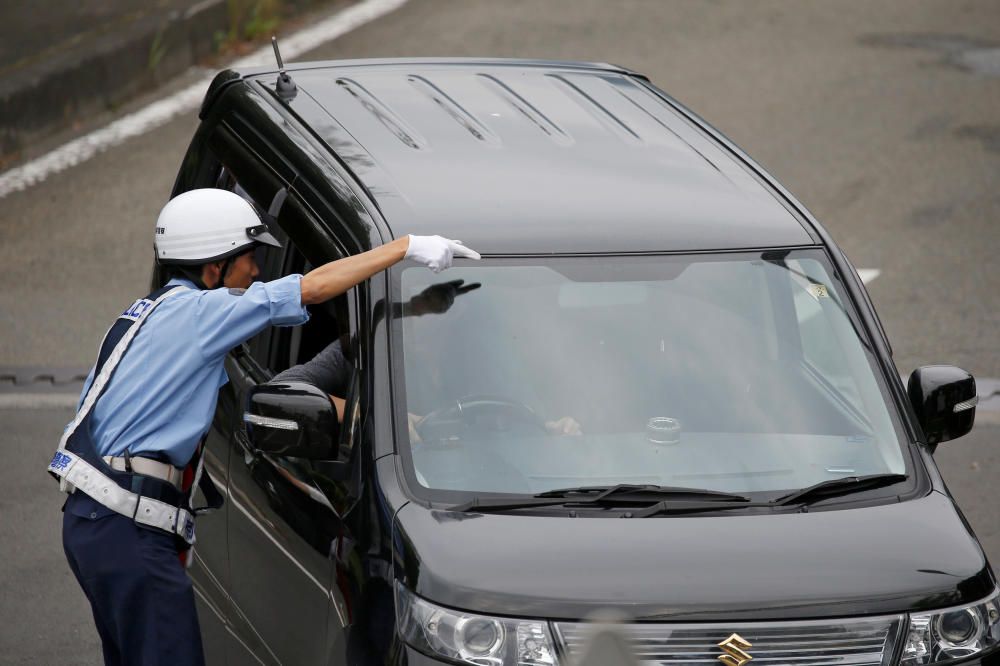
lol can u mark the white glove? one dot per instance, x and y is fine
(436, 252)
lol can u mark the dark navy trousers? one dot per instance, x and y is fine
(142, 597)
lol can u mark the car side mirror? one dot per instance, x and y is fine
(944, 398)
(292, 419)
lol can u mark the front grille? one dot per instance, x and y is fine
(854, 642)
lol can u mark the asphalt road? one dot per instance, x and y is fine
(879, 115)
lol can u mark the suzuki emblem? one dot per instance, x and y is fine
(735, 647)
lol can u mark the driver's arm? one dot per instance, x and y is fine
(412, 421)
(339, 404)
(329, 370)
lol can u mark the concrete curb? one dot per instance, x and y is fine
(105, 70)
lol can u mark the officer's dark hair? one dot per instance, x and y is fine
(192, 273)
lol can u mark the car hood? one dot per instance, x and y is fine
(913, 555)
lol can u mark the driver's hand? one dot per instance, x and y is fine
(412, 421)
(567, 425)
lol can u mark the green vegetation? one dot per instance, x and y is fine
(250, 20)
(156, 51)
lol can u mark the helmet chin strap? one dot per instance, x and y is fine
(228, 265)
(195, 273)
(224, 271)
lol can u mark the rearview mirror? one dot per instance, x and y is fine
(292, 419)
(944, 398)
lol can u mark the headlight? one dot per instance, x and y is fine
(954, 633)
(472, 639)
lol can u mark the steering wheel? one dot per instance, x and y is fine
(479, 413)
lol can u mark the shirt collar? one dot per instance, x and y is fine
(180, 282)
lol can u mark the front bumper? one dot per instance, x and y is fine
(410, 657)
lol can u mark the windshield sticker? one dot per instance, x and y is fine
(818, 291)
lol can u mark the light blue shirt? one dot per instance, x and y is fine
(162, 395)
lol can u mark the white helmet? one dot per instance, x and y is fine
(200, 226)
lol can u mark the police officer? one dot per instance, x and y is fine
(149, 401)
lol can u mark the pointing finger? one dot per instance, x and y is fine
(460, 250)
(467, 253)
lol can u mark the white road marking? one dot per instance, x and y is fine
(158, 113)
(868, 274)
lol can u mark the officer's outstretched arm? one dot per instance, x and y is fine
(332, 279)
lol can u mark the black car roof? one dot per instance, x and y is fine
(517, 156)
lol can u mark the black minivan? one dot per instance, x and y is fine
(663, 391)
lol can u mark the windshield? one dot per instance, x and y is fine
(735, 372)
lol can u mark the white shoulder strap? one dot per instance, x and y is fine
(109, 366)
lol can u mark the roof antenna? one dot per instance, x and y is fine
(285, 87)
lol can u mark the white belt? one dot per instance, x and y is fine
(148, 467)
(76, 473)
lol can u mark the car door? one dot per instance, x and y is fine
(284, 519)
(210, 567)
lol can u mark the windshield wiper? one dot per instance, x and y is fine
(666, 499)
(695, 506)
(643, 492)
(619, 495)
(837, 487)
